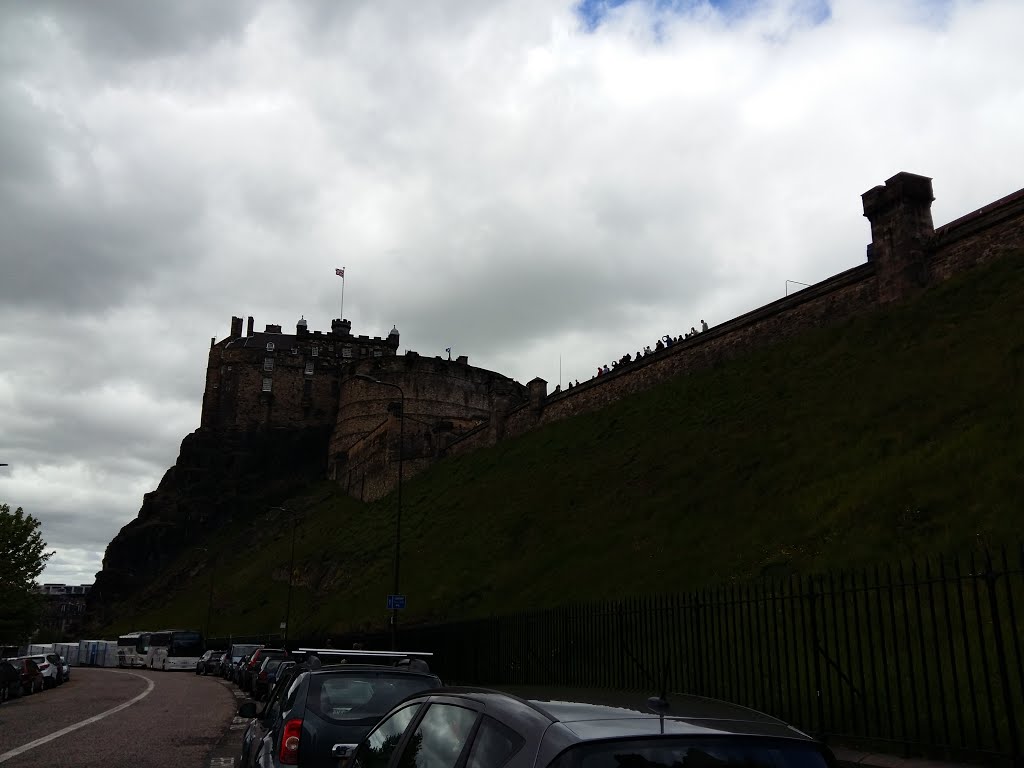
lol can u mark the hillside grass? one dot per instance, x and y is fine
(884, 437)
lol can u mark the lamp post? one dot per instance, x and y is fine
(398, 514)
(291, 568)
(209, 599)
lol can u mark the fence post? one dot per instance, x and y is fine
(817, 650)
(1004, 672)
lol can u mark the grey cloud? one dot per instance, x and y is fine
(492, 178)
(129, 29)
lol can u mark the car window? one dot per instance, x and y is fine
(494, 744)
(348, 696)
(439, 738)
(670, 752)
(293, 691)
(376, 749)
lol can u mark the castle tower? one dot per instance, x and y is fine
(901, 230)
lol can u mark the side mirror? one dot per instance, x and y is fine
(247, 709)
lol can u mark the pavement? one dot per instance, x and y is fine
(227, 751)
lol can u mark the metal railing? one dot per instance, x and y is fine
(919, 658)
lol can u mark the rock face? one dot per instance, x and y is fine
(219, 478)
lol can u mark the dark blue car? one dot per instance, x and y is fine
(326, 711)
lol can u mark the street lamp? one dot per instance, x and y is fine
(291, 568)
(209, 600)
(398, 515)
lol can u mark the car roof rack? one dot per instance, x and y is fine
(360, 652)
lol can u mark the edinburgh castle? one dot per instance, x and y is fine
(283, 409)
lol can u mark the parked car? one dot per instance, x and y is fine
(274, 673)
(330, 707)
(10, 681)
(252, 667)
(223, 661)
(480, 727)
(65, 667)
(261, 720)
(263, 680)
(238, 669)
(238, 652)
(49, 664)
(208, 662)
(31, 677)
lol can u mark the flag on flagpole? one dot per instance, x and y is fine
(340, 272)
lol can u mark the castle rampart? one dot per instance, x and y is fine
(905, 257)
(443, 400)
(453, 408)
(977, 238)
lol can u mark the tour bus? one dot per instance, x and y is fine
(178, 649)
(132, 648)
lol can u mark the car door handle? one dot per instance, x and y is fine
(342, 750)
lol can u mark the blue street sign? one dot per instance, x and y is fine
(396, 602)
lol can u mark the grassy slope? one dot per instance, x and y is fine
(888, 436)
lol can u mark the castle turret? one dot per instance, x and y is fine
(301, 327)
(901, 229)
(393, 336)
(341, 327)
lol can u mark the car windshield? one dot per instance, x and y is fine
(661, 752)
(359, 696)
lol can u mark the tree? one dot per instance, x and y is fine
(23, 556)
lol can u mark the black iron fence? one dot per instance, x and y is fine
(919, 658)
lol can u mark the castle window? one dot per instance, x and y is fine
(377, 353)
(309, 368)
(268, 364)
(362, 351)
(270, 346)
(346, 351)
(315, 351)
(267, 381)
(295, 350)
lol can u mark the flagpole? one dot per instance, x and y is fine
(342, 296)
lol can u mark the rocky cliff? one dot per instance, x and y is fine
(219, 478)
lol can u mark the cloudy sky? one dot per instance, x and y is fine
(542, 185)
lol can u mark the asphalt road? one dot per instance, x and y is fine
(168, 719)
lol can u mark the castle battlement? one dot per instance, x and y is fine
(270, 379)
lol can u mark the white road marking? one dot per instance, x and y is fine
(150, 685)
(222, 762)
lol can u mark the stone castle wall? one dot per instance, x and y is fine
(275, 380)
(452, 408)
(443, 400)
(905, 257)
(977, 238)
